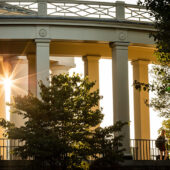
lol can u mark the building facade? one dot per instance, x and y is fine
(33, 33)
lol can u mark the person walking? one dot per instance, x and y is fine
(161, 145)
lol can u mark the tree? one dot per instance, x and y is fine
(58, 126)
(160, 88)
(161, 84)
(107, 147)
(160, 11)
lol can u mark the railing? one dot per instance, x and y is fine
(76, 9)
(6, 148)
(144, 149)
(141, 149)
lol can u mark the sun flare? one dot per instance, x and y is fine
(7, 87)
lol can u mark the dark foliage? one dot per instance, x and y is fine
(58, 126)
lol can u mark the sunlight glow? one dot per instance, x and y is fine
(105, 83)
(7, 86)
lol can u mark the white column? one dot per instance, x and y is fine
(2, 97)
(42, 61)
(120, 88)
(141, 110)
(91, 69)
(32, 76)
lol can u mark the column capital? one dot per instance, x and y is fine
(141, 62)
(91, 57)
(42, 40)
(118, 44)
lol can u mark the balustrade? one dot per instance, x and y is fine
(75, 9)
(141, 149)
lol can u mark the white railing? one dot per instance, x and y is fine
(19, 7)
(136, 13)
(82, 9)
(75, 8)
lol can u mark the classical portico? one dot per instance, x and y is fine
(40, 35)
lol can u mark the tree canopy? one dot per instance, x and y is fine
(161, 12)
(58, 125)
